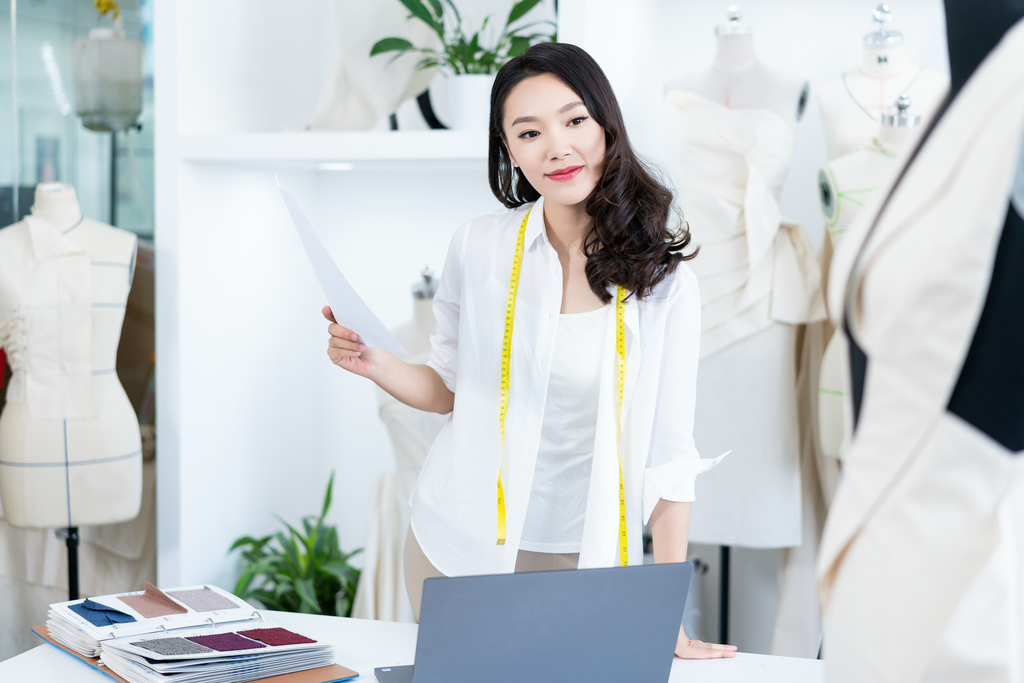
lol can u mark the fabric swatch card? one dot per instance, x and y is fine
(203, 600)
(226, 642)
(172, 646)
(276, 636)
(152, 603)
(98, 614)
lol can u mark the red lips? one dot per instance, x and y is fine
(567, 173)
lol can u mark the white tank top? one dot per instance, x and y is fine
(561, 480)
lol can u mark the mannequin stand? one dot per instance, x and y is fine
(70, 536)
(723, 597)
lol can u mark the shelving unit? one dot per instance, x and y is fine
(427, 145)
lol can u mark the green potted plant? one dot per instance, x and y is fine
(299, 571)
(467, 62)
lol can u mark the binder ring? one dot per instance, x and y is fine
(164, 629)
(256, 613)
(210, 619)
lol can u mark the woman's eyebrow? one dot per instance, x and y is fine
(531, 119)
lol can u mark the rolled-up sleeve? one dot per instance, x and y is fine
(672, 462)
(444, 342)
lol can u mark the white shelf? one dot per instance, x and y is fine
(335, 146)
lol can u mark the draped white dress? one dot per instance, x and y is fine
(759, 278)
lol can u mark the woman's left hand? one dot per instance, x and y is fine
(698, 649)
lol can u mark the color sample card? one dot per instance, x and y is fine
(203, 600)
(172, 646)
(153, 603)
(276, 636)
(226, 642)
(99, 614)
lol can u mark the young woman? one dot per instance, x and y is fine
(555, 318)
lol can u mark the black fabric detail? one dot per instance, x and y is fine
(989, 393)
(972, 30)
(858, 373)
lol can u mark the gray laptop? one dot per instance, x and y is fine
(617, 624)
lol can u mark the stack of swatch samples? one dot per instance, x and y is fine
(198, 634)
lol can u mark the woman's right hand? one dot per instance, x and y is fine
(347, 352)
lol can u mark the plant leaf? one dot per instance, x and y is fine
(520, 9)
(330, 482)
(307, 596)
(390, 44)
(420, 11)
(343, 572)
(518, 46)
(268, 599)
(437, 7)
(242, 588)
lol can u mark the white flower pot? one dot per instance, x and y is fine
(469, 101)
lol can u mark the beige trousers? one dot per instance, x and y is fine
(418, 568)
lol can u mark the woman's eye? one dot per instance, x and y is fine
(528, 134)
(578, 120)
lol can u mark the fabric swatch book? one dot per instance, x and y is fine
(197, 634)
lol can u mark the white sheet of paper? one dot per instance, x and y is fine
(349, 309)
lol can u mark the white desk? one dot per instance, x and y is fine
(363, 645)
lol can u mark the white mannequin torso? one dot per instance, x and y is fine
(849, 186)
(70, 451)
(852, 105)
(739, 80)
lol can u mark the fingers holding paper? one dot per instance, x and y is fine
(346, 351)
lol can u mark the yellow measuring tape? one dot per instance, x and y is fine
(506, 361)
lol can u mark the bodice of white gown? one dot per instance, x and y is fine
(70, 451)
(754, 269)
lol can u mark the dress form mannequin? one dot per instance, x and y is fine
(730, 201)
(381, 593)
(853, 104)
(732, 128)
(848, 187)
(70, 451)
(739, 80)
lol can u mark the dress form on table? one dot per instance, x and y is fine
(852, 105)
(70, 450)
(381, 592)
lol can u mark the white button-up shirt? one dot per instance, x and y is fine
(454, 505)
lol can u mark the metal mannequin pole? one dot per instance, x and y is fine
(16, 147)
(723, 600)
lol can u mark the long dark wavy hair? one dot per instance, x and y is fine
(630, 242)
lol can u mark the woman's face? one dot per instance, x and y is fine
(553, 139)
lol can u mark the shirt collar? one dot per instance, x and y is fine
(535, 232)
